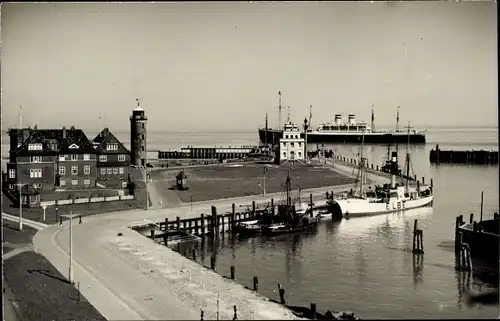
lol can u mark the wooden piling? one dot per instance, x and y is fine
(165, 239)
(196, 229)
(166, 224)
(223, 223)
(152, 232)
(281, 292)
(432, 183)
(255, 283)
(311, 205)
(202, 224)
(253, 209)
(272, 206)
(418, 243)
(178, 223)
(313, 311)
(184, 225)
(190, 227)
(232, 272)
(423, 180)
(212, 262)
(233, 217)
(471, 218)
(193, 253)
(214, 218)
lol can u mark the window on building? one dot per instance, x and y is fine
(286, 136)
(62, 182)
(74, 170)
(103, 171)
(12, 173)
(74, 157)
(142, 136)
(300, 144)
(86, 157)
(33, 199)
(121, 170)
(74, 182)
(86, 170)
(110, 171)
(143, 125)
(112, 147)
(35, 159)
(37, 185)
(62, 158)
(36, 146)
(86, 182)
(103, 158)
(292, 144)
(62, 170)
(124, 184)
(284, 154)
(121, 158)
(11, 186)
(142, 148)
(35, 172)
(115, 170)
(300, 154)
(284, 145)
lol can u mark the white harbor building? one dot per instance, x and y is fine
(291, 146)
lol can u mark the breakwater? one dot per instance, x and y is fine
(475, 157)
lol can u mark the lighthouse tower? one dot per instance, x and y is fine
(138, 133)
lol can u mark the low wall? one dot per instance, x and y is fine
(88, 200)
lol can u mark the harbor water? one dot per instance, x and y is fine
(365, 265)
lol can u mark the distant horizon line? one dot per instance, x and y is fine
(184, 129)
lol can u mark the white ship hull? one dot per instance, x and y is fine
(356, 207)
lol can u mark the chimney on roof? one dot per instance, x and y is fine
(64, 132)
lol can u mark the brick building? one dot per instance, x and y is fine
(113, 160)
(61, 159)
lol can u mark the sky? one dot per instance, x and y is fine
(220, 65)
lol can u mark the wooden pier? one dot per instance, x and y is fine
(476, 239)
(475, 157)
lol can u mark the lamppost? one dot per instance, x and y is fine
(20, 185)
(70, 274)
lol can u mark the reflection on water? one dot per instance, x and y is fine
(364, 265)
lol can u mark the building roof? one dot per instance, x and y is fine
(68, 141)
(106, 137)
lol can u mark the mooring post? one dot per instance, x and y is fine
(194, 254)
(190, 226)
(212, 263)
(233, 217)
(166, 224)
(78, 291)
(201, 315)
(178, 223)
(311, 205)
(471, 218)
(415, 178)
(165, 239)
(313, 311)
(474, 226)
(152, 232)
(272, 206)
(235, 316)
(196, 228)
(432, 183)
(281, 292)
(253, 209)
(232, 272)
(184, 225)
(214, 220)
(202, 224)
(255, 283)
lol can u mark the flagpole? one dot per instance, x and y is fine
(265, 170)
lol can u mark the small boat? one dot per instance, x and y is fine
(384, 199)
(250, 227)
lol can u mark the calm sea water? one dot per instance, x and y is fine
(365, 264)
